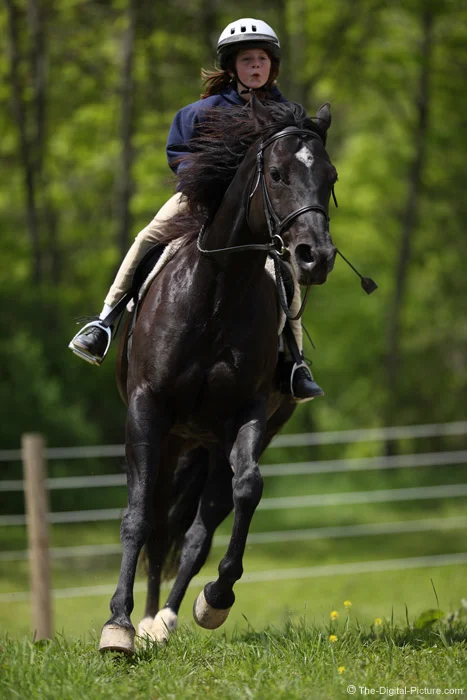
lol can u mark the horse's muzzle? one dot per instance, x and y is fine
(314, 263)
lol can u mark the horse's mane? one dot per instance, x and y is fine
(223, 139)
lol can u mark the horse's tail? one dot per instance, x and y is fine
(188, 483)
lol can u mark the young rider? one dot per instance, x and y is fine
(249, 56)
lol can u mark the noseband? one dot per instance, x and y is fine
(276, 226)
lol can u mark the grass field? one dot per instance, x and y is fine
(276, 639)
(374, 595)
(377, 594)
(296, 661)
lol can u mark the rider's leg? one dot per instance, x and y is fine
(91, 343)
(298, 379)
(146, 238)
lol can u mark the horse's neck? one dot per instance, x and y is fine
(229, 229)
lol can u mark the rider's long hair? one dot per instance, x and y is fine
(216, 79)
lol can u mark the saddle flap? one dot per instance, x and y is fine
(145, 267)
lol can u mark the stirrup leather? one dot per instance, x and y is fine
(296, 366)
(84, 355)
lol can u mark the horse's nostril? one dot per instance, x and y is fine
(305, 253)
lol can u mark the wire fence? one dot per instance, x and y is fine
(305, 572)
(408, 460)
(331, 437)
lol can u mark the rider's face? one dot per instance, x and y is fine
(253, 67)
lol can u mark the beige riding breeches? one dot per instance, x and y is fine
(150, 235)
(145, 239)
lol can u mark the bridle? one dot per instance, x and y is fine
(275, 247)
(276, 226)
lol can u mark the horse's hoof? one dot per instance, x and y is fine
(144, 627)
(116, 638)
(164, 624)
(206, 616)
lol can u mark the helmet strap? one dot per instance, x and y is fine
(247, 89)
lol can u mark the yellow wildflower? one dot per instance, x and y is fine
(332, 638)
(334, 615)
(341, 670)
(378, 622)
(347, 604)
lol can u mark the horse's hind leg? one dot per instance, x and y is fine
(213, 603)
(156, 552)
(214, 506)
(143, 456)
(158, 541)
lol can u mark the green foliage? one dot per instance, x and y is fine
(365, 57)
(428, 618)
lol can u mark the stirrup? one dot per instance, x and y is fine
(86, 356)
(296, 366)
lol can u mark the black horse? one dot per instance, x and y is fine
(200, 382)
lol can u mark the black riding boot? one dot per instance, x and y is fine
(92, 342)
(296, 378)
(297, 381)
(303, 386)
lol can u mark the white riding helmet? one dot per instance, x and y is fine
(245, 33)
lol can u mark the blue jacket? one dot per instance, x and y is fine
(184, 125)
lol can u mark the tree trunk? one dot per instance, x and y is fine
(36, 17)
(284, 36)
(38, 76)
(409, 224)
(26, 151)
(209, 13)
(125, 180)
(297, 52)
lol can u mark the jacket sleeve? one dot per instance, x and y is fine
(181, 132)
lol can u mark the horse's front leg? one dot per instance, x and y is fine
(143, 438)
(213, 604)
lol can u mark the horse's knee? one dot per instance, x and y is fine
(248, 488)
(195, 549)
(135, 527)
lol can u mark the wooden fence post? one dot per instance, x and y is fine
(37, 511)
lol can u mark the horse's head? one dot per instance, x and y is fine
(293, 192)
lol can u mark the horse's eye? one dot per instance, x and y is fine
(275, 174)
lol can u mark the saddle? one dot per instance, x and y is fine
(144, 269)
(132, 300)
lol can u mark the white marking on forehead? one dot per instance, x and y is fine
(304, 156)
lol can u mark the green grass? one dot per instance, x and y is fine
(296, 661)
(382, 594)
(275, 642)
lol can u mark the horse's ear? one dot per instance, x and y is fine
(323, 115)
(259, 113)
